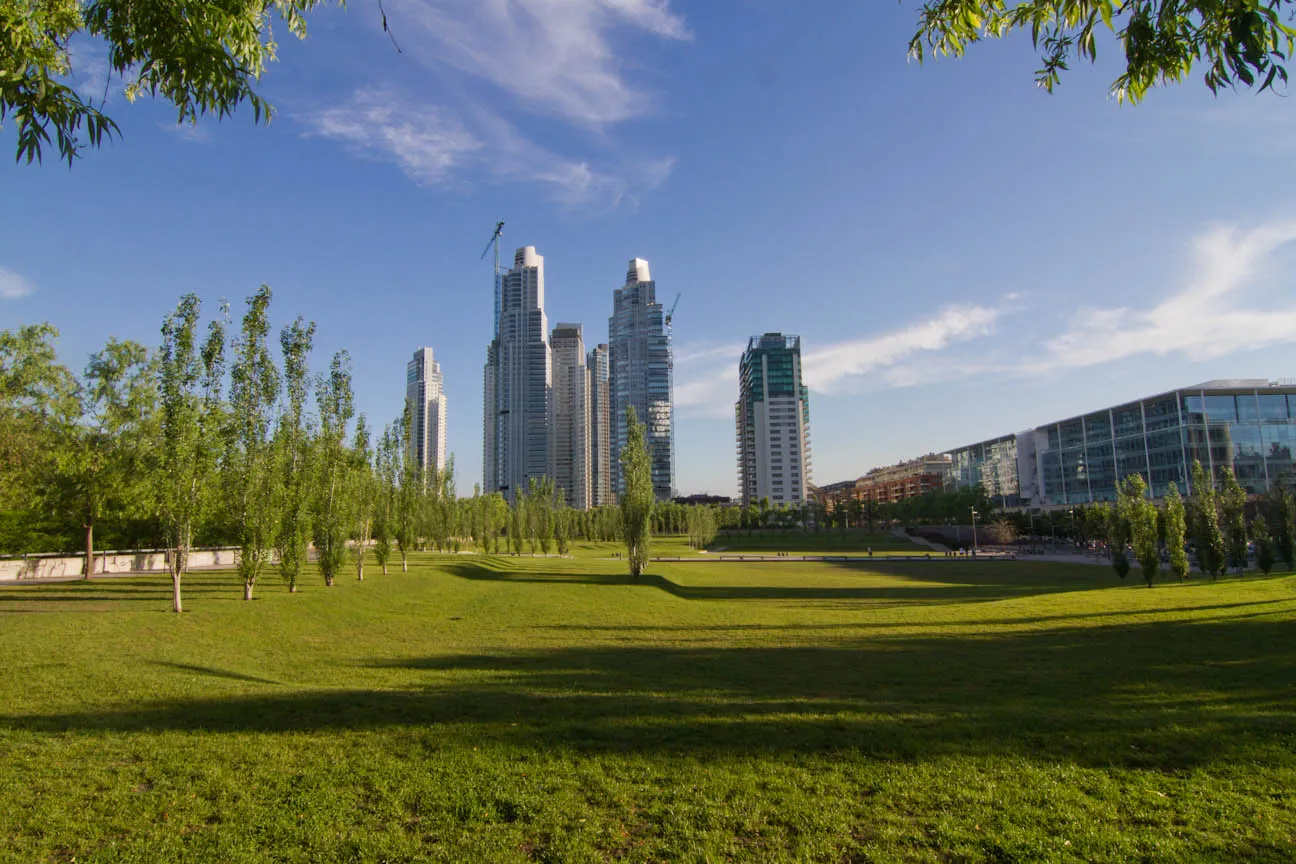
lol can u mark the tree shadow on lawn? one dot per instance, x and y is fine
(929, 586)
(103, 592)
(1168, 696)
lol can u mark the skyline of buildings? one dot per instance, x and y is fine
(772, 418)
(425, 396)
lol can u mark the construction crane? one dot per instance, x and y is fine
(494, 241)
(670, 316)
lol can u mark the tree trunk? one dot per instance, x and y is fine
(328, 581)
(384, 568)
(292, 587)
(247, 590)
(404, 564)
(89, 547)
(175, 584)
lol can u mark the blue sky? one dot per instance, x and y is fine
(962, 254)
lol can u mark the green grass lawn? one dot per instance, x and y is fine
(518, 709)
(826, 542)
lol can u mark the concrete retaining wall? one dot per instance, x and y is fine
(35, 567)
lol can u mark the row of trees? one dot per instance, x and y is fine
(212, 440)
(1212, 522)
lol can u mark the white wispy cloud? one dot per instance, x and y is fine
(13, 286)
(1216, 314)
(553, 56)
(832, 366)
(707, 376)
(434, 145)
(424, 141)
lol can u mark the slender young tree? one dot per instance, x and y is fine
(293, 445)
(637, 500)
(189, 384)
(1118, 536)
(1141, 516)
(333, 511)
(1207, 539)
(254, 392)
(363, 494)
(1264, 546)
(409, 495)
(1233, 510)
(384, 512)
(1284, 517)
(1176, 528)
(517, 523)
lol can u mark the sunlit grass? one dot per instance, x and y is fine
(531, 709)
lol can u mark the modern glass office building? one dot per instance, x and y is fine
(1248, 425)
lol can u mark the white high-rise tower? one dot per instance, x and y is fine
(773, 422)
(425, 394)
(569, 427)
(517, 382)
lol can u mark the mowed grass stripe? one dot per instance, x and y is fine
(520, 709)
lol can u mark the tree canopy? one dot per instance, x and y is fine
(1244, 41)
(207, 58)
(202, 57)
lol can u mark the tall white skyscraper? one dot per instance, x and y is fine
(640, 367)
(517, 382)
(569, 427)
(773, 422)
(600, 407)
(425, 394)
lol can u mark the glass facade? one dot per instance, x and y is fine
(640, 372)
(1247, 426)
(989, 464)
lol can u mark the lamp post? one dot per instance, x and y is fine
(1071, 511)
(974, 537)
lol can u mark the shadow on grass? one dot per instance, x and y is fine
(104, 592)
(1166, 696)
(951, 583)
(212, 672)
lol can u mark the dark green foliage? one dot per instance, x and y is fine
(1264, 546)
(1206, 536)
(203, 58)
(1175, 528)
(1162, 40)
(637, 500)
(1283, 513)
(1233, 510)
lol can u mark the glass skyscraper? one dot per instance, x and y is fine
(569, 424)
(425, 395)
(600, 427)
(516, 391)
(639, 369)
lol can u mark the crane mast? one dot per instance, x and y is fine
(494, 241)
